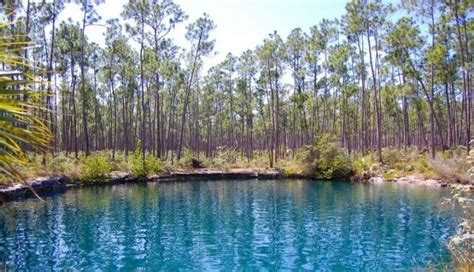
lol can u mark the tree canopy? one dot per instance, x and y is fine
(370, 79)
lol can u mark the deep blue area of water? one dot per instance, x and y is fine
(229, 225)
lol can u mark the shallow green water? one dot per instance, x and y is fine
(224, 225)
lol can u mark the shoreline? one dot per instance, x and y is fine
(46, 185)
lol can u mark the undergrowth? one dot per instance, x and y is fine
(324, 159)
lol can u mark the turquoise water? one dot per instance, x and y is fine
(228, 225)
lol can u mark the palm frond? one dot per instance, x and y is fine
(21, 130)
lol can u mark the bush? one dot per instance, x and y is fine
(95, 167)
(453, 169)
(364, 163)
(153, 165)
(393, 156)
(143, 167)
(328, 160)
(291, 168)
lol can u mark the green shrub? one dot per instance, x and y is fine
(328, 160)
(153, 165)
(141, 167)
(361, 164)
(95, 167)
(392, 156)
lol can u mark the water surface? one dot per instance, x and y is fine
(227, 225)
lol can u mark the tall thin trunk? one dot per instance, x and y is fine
(83, 85)
(376, 98)
(49, 107)
(186, 97)
(465, 77)
(142, 90)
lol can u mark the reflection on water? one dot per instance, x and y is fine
(289, 224)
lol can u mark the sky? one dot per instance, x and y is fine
(241, 24)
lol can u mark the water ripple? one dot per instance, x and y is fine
(229, 225)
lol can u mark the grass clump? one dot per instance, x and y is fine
(291, 168)
(451, 166)
(390, 175)
(294, 167)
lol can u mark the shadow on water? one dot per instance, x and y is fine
(285, 224)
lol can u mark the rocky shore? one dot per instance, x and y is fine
(419, 181)
(41, 186)
(44, 186)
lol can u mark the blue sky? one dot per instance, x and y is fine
(241, 24)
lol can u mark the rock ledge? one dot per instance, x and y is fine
(40, 185)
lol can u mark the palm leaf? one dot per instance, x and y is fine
(20, 128)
